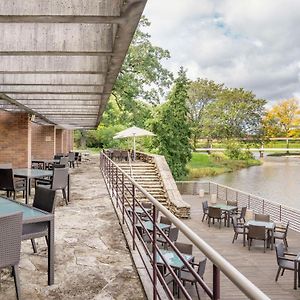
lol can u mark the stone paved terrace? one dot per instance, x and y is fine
(91, 258)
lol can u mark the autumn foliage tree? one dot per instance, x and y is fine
(281, 119)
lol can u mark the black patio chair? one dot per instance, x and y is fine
(186, 275)
(204, 209)
(71, 159)
(285, 261)
(262, 217)
(10, 184)
(280, 233)
(238, 228)
(172, 235)
(59, 181)
(10, 245)
(44, 199)
(257, 233)
(215, 213)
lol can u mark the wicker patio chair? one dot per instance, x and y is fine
(280, 233)
(10, 184)
(232, 202)
(186, 275)
(184, 248)
(71, 159)
(172, 235)
(262, 217)
(285, 261)
(204, 209)
(215, 213)
(257, 233)
(44, 199)
(10, 245)
(238, 228)
(59, 181)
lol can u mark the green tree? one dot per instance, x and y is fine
(172, 128)
(142, 75)
(236, 113)
(200, 93)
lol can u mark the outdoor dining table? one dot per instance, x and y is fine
(33, 215)
(173, 260)
(29, 174)
(297, 271)
(149, 225)
(44, 162)
(138, 210)
(270, 226)
(227, 209)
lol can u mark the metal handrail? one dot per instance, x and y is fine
(236, 277)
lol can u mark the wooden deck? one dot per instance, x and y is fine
(257, 266)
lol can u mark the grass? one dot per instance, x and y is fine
(203, 165)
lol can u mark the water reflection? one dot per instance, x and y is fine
(278, 179)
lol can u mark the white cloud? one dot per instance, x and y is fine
(252, 44)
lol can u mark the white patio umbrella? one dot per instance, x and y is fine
(133, 132)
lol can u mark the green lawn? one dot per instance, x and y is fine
(203, 165)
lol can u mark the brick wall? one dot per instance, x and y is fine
(15, 139)
(59, 141)
(43, 141)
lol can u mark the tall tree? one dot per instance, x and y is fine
(142, 75)
(236, 113)
(200, 93)
(281, 118)
(171, 126)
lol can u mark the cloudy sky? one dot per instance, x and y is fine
(253, 44)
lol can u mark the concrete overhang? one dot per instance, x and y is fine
(59, 59)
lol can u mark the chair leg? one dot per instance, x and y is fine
(234, 237)
(197, 290)
(47, 242)
(249, 243)
(277, 275)
(264, 246)
(33, 245)
(17, 281)
(203, 217)
(65, 196)
(285, 243)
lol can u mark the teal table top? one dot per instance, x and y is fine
(32, 173)
(139, 210)
(8, 206)
(225, 207)
(172, 258)
(268, 225)
(149, 225)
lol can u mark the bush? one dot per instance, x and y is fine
(219, 156)
(234, 151)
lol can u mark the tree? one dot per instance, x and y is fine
(172, 128)
(280, 120)
(236, 113)
(142, 75)
(200, 93)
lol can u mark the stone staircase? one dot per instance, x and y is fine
(154, 175)
(147, 176)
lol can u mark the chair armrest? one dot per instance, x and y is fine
(290, 254)
(285, 258)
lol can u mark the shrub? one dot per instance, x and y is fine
(219, 156)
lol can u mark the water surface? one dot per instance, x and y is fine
(277, 179)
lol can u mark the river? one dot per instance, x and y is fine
(277, 179)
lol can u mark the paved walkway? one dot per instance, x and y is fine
(92, 261)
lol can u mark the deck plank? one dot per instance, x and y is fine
(259, 267)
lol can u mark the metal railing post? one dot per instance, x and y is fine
(217, 191)
(154, 253)
(117, 188)
(209, 187)
(263, 207)
(133, 217)
(280, 213)
(248, 201)
(123, 199)
(226, 192)
(216, 283)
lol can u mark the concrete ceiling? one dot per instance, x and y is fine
(59, 59)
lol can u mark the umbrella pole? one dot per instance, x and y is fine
(134, 148)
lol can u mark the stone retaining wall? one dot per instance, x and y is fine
(175, 202)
